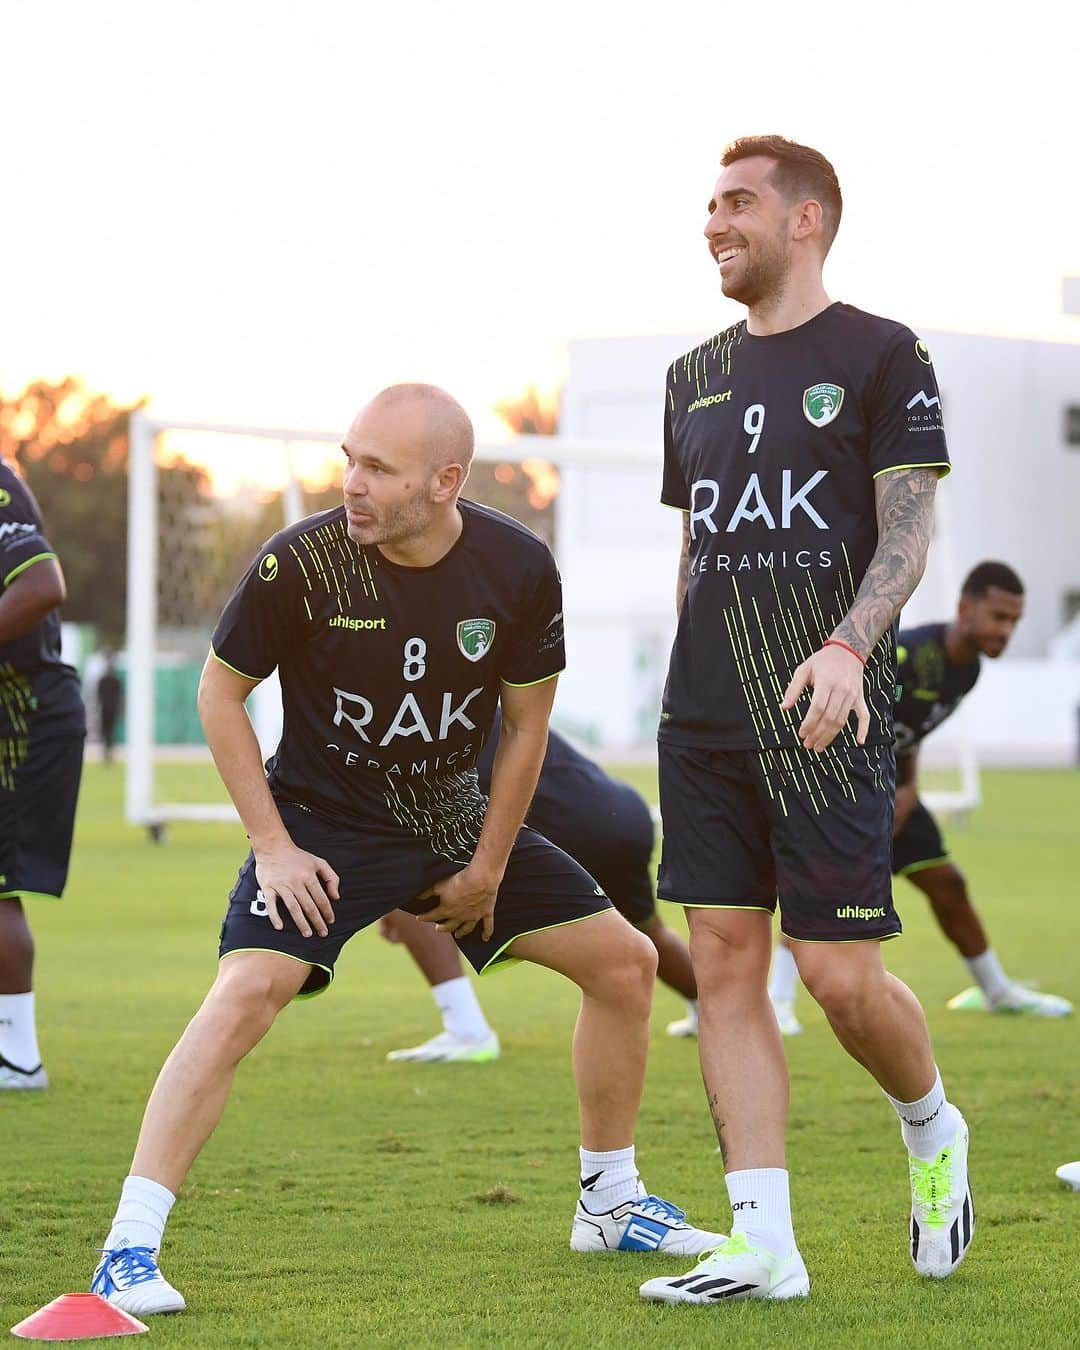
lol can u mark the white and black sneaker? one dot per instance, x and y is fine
(645, 1224)
(942, 1210)
(14, 1079)
(735, 1270)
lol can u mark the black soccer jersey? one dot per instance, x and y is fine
(772, 445)
(390, 675)
(39, 694)
(929, 687)
(568, 781)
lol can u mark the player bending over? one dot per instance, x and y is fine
(608, 828)
(803, 446)
(42, 729)
(396, 623)
(938, 665)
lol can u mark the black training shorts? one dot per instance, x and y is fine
(384, 870)
(39, 789)
(919, 844)
(743, 829)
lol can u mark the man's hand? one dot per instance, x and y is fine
(836, 677)
(303, 883)
(465, 899)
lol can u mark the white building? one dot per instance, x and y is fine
(1012, 413)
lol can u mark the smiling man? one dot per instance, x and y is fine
(371, 804)
(803, 446)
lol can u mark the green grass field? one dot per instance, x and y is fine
(345, 1201)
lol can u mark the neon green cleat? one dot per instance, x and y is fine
(1019, 1001)
(447, 1049)
(942, 1210)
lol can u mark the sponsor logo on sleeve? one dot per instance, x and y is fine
(268, 567)
(5, 497)
(922, 351)
(821, 403)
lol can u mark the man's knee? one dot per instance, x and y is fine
(944, 886)
(248, 994)
(728, 947)
(628, 975)
(846, 991)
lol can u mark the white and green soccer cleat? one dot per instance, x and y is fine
(1019, 1001)
(447, 1049)
(942, 1210)
(735, 1270)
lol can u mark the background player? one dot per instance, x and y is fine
(608, 828)
(938, 665)
(806, 464)
(110, 702)
(42, 729)
(396, 623)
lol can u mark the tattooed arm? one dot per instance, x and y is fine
(684, 565)
(905, 512)
(905, 515)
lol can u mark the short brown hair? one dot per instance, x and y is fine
(800, 173)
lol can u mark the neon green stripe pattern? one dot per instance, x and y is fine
(38, 557)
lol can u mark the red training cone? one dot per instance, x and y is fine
(77, 1317)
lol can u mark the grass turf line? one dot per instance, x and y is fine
(345, 1201)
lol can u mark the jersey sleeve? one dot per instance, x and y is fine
(22, 538)
(536, 651)
(906, 427)
(260, 623)
(674, 491)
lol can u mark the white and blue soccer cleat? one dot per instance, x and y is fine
(129, 1277)
(14, 1079)
(942, 1210)
(448, 1049)
(645, 1224)
(734, 1271)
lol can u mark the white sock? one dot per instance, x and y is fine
(18, 1036)
(929, 1124)
(691, 1011)
(141, 1214)
(987, 971)
(461, 1012)
(761, 1208)
(784, 975)
(607, 1179)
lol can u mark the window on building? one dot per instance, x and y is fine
(1072, 424)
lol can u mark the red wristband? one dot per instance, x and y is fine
(835, 642)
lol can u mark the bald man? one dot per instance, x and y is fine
(397, 623)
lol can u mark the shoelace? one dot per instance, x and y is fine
(661, 1209)
(931, 1184)
(136, 1266)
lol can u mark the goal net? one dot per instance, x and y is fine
(204, 497)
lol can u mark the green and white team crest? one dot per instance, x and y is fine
(821, 403)
(474, 637)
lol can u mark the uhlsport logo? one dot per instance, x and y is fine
(821, 403)
(707, 400)
(268, 568)
(356, 625)
(922, 351)
(474, 637)
(859, 912)
(5, 497)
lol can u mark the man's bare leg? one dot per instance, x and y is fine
(184, 1107)
(675, 968)
(20, 1058)
(614, 966)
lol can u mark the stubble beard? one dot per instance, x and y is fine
(763, 280)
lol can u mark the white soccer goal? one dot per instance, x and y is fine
(189, 539)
